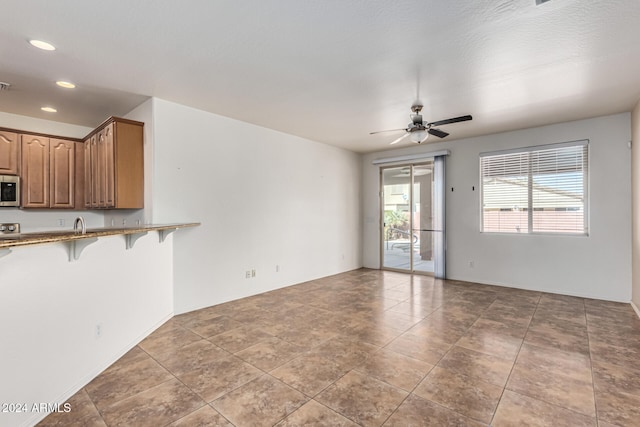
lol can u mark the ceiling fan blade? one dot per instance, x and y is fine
(400, 139)
(437, 132)
(388, 130)
(452, 120)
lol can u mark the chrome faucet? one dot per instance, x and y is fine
(83, 226)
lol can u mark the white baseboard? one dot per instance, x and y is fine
(539, 289)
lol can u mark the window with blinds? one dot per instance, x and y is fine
(535, 190)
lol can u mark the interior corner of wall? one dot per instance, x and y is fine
(635, 308)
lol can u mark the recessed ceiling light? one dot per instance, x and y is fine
(49, 109)
(42, 45)
(66, 85)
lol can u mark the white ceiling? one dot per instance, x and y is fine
(328, 70)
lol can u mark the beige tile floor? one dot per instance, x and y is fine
(374, 348)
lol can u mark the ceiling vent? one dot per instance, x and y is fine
(4, 86)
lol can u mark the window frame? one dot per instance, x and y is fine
(530, 208)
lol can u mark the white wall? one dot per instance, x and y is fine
(597, 266)
(264, 198)
(15, 121)
(635, 187)
(50, 307)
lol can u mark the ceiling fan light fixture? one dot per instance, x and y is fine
(66, 85)
(42, 45)
(419, 136)
(419, 130)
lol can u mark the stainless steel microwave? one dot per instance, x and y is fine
(9, 190)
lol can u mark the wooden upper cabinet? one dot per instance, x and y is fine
(62, 173)
(48, 172)
(35, 170)
(103, 171)
(9, 153)
(128, 141)
(114, 171)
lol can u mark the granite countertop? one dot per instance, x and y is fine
(24, 239)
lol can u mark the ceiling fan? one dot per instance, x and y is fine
(419, 130)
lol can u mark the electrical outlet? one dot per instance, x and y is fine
(98, 330)
(471, 264)
(253, 273)
(248, 274)
(277, 268)
(61, 222)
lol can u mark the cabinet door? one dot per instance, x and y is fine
(35, 171)
(62, 173)
(108, 167)
(101, 169)
(104, 184)
(129, 165)
(95, 175)
(87, 173)
(9, 145)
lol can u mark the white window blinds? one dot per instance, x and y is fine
(535, 190)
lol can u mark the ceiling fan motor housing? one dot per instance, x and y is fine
(419, 130)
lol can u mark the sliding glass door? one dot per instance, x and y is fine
(398, 239)
(413, 217)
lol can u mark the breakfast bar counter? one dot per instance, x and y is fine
(77, 240)
(131, 233)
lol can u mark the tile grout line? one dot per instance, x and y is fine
(189, 388)
(181, 382)
(552, 403)
(515, 360)
(96, 407)
(425, 375)
(463, 301)
(593, 379)
(136, 394)
(503, 388)
(384, 347)
(435, 365)
(410, 393)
